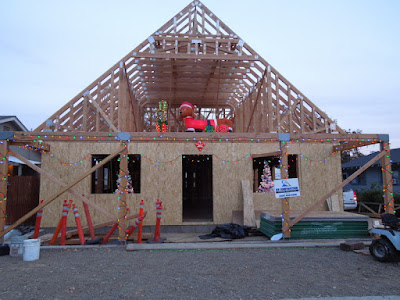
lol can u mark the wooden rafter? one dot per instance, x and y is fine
(193, 57)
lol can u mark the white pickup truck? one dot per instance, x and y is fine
(349, 200)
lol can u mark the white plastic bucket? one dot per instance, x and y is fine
(31, 249)
(17, 246)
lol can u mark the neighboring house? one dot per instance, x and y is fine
(373, 175)
(11, 123)
(23, 182)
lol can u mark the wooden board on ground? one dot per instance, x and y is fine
(333, 203)
(72, 242)
(189, 238)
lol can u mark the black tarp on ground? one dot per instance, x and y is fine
(227, 231)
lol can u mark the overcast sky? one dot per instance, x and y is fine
(342, 54)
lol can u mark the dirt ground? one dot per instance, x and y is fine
(114, 273)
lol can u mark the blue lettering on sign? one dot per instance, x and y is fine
(291, 189)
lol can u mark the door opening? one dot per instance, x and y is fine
(197, 188)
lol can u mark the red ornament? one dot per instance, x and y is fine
(161, 128)
(164, 127)
(200, 145)
(222, 128)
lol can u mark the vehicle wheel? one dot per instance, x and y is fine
(382, 250)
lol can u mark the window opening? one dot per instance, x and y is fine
(268, 168)
(105, 179)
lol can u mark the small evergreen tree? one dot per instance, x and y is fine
(266, 184)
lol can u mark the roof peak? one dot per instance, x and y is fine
(196, 18)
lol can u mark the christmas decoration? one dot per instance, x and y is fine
(200, 145)
(266, 184)
(222, 128)
(209, 128)
(129, 186)
(186, 114)
(162, 123)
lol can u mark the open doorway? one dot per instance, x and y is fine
(197, 188)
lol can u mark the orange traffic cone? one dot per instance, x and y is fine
(157, 238)
(138, 221)
(55, 235)
(64, 224)
(37, 223)
(140, 230)
(79, 225)
(89, 220)
(109, 234)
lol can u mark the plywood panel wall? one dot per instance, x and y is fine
(164, 181)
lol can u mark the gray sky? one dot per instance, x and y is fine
(344, 55)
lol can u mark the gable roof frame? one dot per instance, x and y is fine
(193, 57)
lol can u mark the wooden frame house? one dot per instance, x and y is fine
(109, 128)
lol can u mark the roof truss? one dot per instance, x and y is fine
(194, 57)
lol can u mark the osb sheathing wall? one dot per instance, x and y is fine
(316, 178)
(165, 181)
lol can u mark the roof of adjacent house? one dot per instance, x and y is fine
(359, 162)
(17, 122)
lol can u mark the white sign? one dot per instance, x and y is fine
(287, 188)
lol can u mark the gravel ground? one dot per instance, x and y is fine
(113, 273)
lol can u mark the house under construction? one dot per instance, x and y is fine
(105, 147)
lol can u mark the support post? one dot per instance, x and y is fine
(122, 210)
(3, 182)
(123, 100)
(269, 100)
(387, 180)
(257, 98)
(285, 201)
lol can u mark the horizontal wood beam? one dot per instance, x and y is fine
(23, 136)
(199, 56)
(353, 144)
(275, 153)
(203, 40)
